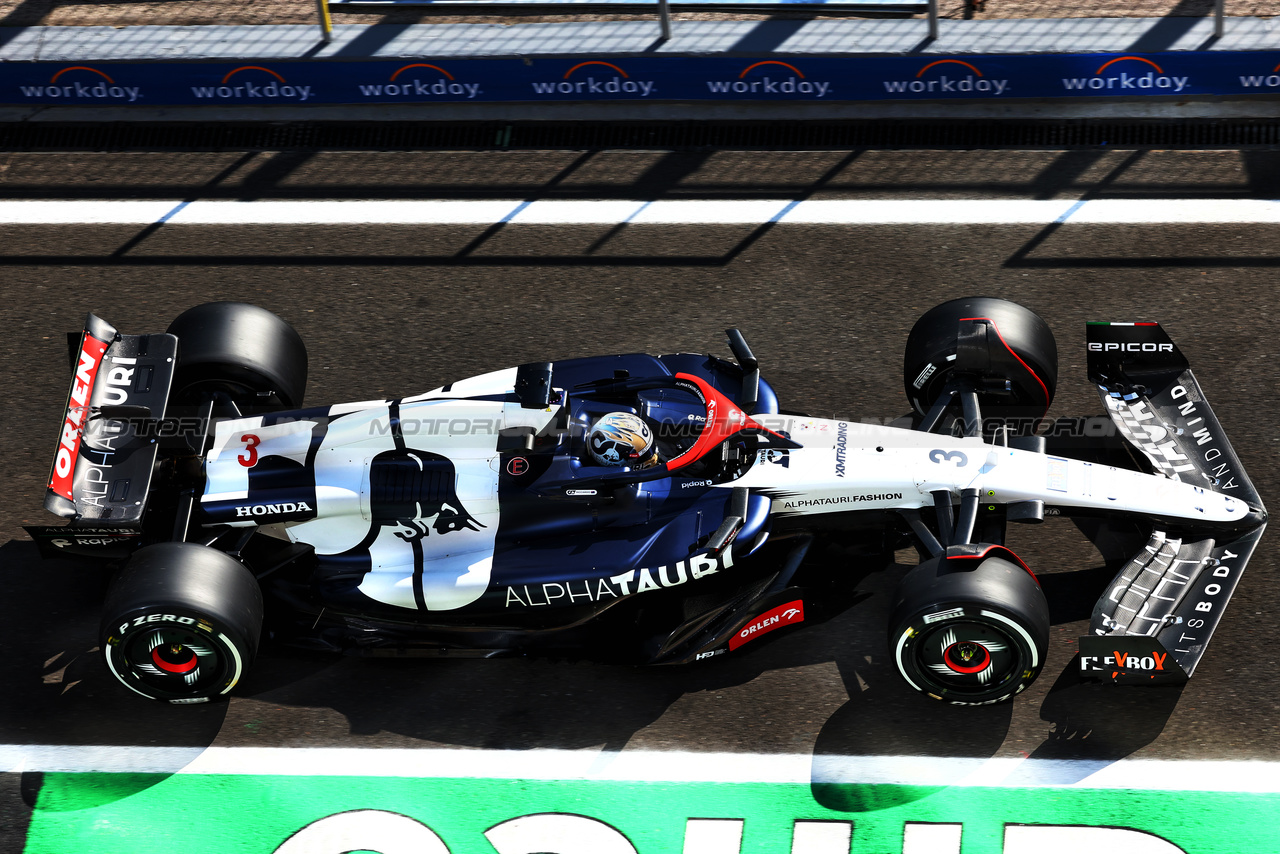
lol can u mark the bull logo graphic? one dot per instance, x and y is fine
(389, 502)
(413, 492)
(777, 456)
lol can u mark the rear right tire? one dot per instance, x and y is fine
(181, 623)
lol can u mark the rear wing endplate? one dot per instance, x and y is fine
(102, 466)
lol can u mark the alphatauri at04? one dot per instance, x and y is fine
(475, 519)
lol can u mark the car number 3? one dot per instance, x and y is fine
(250, 456)
(937, 455)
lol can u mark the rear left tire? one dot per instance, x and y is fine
(237, 352)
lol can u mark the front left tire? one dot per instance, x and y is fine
(929, 359)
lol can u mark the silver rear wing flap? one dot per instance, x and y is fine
(104, 457)
(1156, 617)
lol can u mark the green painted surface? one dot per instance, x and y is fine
(157, 814)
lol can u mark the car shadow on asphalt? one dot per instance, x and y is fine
(540, 703)
(1100, 723)
(884, 717)
(57, 690)
(60, 693)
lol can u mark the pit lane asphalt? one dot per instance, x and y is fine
(392, 310)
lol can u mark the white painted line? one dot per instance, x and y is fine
(649, 766)
(575, 213)
(925, 212)
(1170, 211)
(77, 213)
(608, 212)
(355, 212)
(720, 212)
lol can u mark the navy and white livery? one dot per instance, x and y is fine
(635, 508)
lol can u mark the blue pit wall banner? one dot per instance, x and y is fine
(643, 78)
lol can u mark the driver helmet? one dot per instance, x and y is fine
(622, 439)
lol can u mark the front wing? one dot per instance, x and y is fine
(1155, 620)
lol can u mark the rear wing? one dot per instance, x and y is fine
(1156, 617)
(102, 466)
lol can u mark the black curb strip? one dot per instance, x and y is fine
(790, 135)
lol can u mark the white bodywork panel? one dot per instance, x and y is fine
(226, 477)
(846, 466)
(455, 565)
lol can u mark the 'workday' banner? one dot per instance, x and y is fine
(642, 78)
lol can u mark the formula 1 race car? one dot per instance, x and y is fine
(489, 517)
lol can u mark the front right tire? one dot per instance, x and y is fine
(970, 630)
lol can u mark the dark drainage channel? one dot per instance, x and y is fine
(796, 135)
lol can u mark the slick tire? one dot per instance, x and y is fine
(238, 351)
(931, 347)
(969, 632)
(181, 623)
